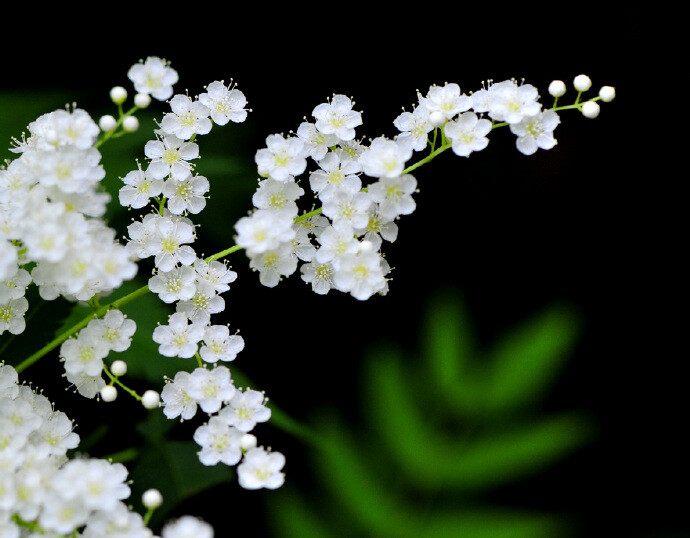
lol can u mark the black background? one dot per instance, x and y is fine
(513, 233)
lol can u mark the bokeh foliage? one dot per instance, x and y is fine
(441, 430)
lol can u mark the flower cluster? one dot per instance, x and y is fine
(195, 286)
(339, 248)
(43, 492)
(51, 232)
(83, 355)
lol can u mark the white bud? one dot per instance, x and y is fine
(607, 93)
(582, 83)
(150, 399)
(142, 100)
(130, 124)
(108, 393)
(590, 110)
(557, 88)
(247, 441)
(152, 499)
(119, 368)
(118, 95)
(437, 119)
(107, 123)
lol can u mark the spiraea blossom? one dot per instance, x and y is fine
(154, 77)
(52, 234)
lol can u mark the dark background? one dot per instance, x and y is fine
(513, 233)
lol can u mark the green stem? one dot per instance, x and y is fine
(110, 134)
(116, 381)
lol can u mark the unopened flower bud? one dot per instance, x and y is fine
(118, 95)
(107, 123)
(142, 100)
(247, 441)
(607, 93)
(437, 119)
(118, 368)
(108, 393)
(557, 88)
(150, 399)
(152, 499)
(590, 110)
(582, 83)
(130, 124)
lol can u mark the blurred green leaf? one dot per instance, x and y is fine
(293, 518)
(525, 362)
(434, 428)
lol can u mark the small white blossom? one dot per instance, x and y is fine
(225, 104)
(170, 156)
(261, 469)
(337, 118)
(219, 442)
(536, 132)
(282, 158)
(219, 344)
(179, 338)
(186, 119)
(467, 133)
(153, 77)
(245, 410)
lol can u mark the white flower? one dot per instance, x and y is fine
(168, 244)
(245, 410)
(319, 275)
(282, 158)
(179, 284)
(224, 103)
(215, 273)
(202, 304)
(12, 315)
(316, 143)
(350, 208)
(336, 241)
(179, 338)
(385, 158)
(360, 274)
(176, 401)
(277, 195)
(85, 353)
(338, 172)
(337, 117)
(511, 103)
(394, 196)
(169, 157)
(186, 119)
(115, 330)
(187, 527)
(186, 194)
(211, 388)
(536, 132)
(264, 230)
(378, 228)
(87, 385)
(153, 77)
(446, 100)
(219, 442)
(219, 344)
(467, 133)
(70, 169)
(261, 469)
(274, 264)
(415, 127)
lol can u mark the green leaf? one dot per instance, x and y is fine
(292, 518)
(449, 347)
(525, 362)
(429, 458)
(354, 484)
